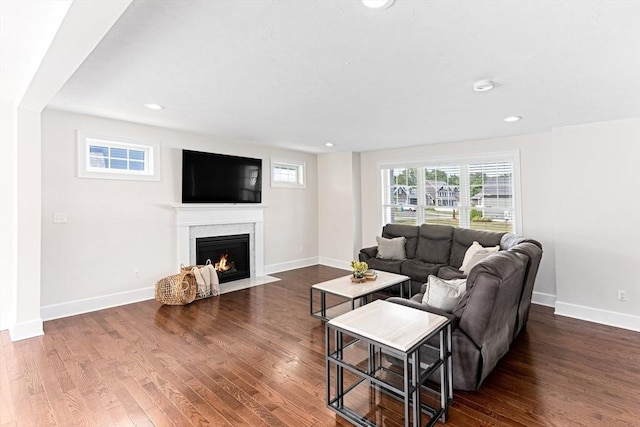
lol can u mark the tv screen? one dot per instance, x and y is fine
(218, 178)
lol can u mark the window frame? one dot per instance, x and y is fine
(151, 161)
(301, 171)
(501, 156)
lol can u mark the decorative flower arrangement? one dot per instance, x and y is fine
(359, 268)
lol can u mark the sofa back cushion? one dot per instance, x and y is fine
(409, 232)
(434, 244)
(464, 237)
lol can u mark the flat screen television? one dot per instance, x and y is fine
(219, 178)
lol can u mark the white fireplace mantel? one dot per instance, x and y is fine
(196, 215)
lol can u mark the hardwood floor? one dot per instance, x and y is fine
(256, 358)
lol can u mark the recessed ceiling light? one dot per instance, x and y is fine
(512, 119)
(328, 144)
(152, 106)
(377, 4)
(483, 85)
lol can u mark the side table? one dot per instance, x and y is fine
(399, 331)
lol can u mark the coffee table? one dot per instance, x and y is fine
(343, 287)
(390, 329)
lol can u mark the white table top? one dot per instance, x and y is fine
(397, 326)
(344, 287)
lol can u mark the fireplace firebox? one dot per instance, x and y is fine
(228, 254)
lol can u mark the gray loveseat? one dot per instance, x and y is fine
(496, 304)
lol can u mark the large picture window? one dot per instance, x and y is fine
(478, 193)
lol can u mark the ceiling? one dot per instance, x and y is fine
(25, 26)
(300, 73)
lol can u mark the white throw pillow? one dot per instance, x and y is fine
(475, 254)
(392, 249)
(444, 294)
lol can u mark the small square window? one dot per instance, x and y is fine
(117, 158)
(288, 173)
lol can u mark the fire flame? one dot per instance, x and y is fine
(223, 264)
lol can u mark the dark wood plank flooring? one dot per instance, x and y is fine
(256, 358)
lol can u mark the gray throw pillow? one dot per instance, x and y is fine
(392, 249)
(444, 294)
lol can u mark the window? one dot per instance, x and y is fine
(287, 173)
(117, 158)
(479, 193)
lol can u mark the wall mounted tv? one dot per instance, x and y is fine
(218, 178)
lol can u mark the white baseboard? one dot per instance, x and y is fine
(71, 308)
(335, 263)
(605, 317)
(5, 321)
(290, 265)
(23, 330)
(543, 299)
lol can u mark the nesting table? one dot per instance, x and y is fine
(375, 332)
(352, 292)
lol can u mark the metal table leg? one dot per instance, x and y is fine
(339, 370)
(415, 394)
(407, 400)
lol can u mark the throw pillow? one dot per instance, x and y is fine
(444, 294)
(476, 253)
(392, 249)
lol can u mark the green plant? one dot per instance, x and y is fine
(359, 267)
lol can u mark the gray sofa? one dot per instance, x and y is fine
(496, 304)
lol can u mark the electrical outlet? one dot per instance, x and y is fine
(622, 295)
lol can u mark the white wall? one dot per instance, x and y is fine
(588, 254)
(8, 210)
(27, 320)
(339, 204)
(535, 164)
(597, 221)
(115, 227)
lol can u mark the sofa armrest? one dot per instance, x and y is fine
(449, 273)
(366, 253)
(424, 307)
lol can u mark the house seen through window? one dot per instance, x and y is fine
(478, 195)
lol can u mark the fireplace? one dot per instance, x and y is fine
(229, 254)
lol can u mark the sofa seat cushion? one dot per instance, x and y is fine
(391, 266)
(419, 270)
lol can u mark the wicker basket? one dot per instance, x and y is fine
(177, 289)
(192, 279)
